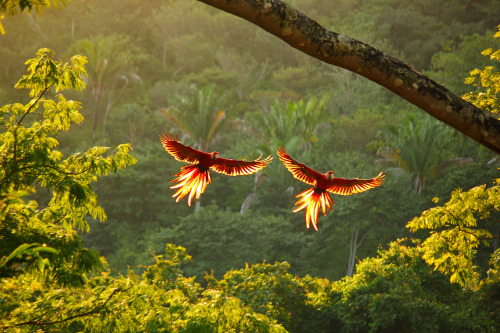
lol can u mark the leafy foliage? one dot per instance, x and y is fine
(231, 239)
(488, 79)
(418, 147)
(271, 290)
(398, 291)
(293, 123)
(162, 299)
(200, 116)
(42, 238)
(460, 226)
(53, 280)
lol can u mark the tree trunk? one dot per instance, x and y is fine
(306, 35)
(352, 250)
(97, 96)
(353, 247)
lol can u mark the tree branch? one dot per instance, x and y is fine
(24, 116)
(306, 35)
(33, 104)
(95, 310)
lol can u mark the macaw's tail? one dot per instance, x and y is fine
(312, 199)
(192, 180)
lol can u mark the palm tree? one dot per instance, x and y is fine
(418, 147)
(289, 123)
(110, 63)
(292, 123)
(199, 117)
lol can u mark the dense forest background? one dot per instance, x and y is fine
(222, 84)
(173, 65)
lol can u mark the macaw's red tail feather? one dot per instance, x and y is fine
(313, 199)
(191, 180)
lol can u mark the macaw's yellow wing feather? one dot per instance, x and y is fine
(350, 186)
(312, 199)
(192, 180)
(237, 168)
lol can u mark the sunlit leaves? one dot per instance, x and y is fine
(28, 161)
(31, 250)
(488, 79)
(271, 290)
(44, 72)
(397, 291)
(156, 301)
(62, 113)
(458, 228)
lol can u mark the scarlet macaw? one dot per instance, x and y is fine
(193, 179)
(323, 183)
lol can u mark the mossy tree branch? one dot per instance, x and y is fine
(308, 36)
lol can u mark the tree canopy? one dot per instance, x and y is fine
(92, 240)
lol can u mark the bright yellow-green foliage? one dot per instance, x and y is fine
(489, 79)
(41, 238)
(271, 290)
(459, 227)
(161, 300)
(462, 224)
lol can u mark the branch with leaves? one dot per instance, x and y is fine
(95, 310)
(28, 158)
(458, 228)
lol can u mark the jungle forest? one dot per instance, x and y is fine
(249, 166)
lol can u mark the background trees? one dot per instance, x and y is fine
(294, 102)
(270, 95)
(310, 37)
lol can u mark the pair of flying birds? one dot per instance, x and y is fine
(193, 179)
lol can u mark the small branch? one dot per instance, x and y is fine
(32, 105)
(470, 233)
(22, 118)
(69, 173)
(494, 219)
(95, 310)
(488, 238)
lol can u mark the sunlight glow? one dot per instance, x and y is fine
(313, 198)
(191, 180)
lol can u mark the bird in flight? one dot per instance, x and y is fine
(323, 183)
(193, 179)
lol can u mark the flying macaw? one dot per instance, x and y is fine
(193, 179)
(323, 183)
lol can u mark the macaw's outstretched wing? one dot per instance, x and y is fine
(237, 168)
(350, 186)
(299, 171)
(181, 152)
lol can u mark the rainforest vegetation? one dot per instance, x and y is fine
(91, 239)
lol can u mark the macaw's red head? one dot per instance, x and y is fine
(214, 155)
(329, 175)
